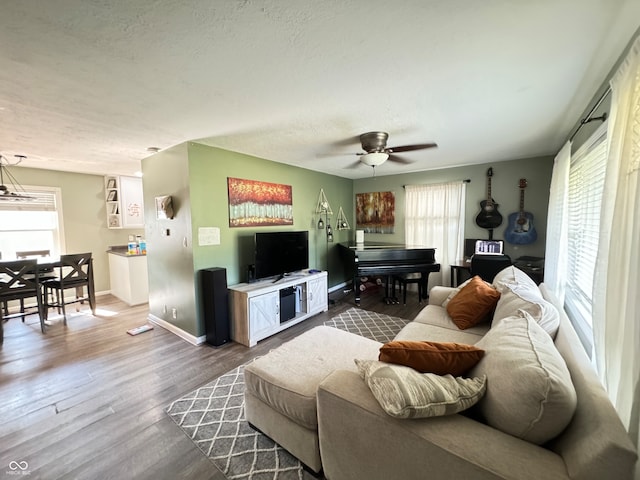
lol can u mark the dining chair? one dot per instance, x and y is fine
(18, 281)
(75, 271)
(43, 273)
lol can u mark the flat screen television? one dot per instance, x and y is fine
(280, 253)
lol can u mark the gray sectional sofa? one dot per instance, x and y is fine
(528, 425)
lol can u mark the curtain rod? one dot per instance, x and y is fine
(468, 180)
(588, 118)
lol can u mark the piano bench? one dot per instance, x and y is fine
(405, 279)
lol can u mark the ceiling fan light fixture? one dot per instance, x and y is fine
(373, 159)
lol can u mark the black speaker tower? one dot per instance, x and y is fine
(215, 305)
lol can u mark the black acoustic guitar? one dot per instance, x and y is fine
(489, 217)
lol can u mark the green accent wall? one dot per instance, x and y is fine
(169, 252)
(195, 175)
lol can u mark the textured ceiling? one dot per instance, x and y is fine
(88, 85)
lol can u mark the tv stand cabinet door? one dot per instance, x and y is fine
(317, 295)
(264, 315)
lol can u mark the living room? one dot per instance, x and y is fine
(195, 174)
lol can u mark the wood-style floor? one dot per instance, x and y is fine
(86, 401)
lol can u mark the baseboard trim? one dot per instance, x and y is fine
(339, 286)
(192, 339)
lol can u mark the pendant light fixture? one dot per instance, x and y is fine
(15, 193)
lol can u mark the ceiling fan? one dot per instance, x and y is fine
(376, 151)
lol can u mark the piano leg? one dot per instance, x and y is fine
(424, 286)
(390, 299)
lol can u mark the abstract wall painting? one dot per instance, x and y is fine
(375, 212)
(259, 204)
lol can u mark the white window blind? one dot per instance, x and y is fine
(586, 182)
(32, 225)
(42, 201)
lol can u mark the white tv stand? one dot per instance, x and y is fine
(255, 307)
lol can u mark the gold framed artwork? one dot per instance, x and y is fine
(258, 204)
(375, 212)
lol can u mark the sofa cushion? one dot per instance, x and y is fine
(529, 390)
(432, 357)
(405, 393)
(473, 304)
(438, 316)
(519, 292)
(438, 333)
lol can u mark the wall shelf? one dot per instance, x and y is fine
(124, 202)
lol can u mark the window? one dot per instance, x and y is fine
(32, 225)
(586, 182)
(434, 217)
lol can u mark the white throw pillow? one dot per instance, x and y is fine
(405, 393)
(519, 292)
(529, 390)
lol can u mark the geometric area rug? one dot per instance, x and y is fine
(213, 415)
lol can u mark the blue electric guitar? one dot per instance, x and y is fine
(520, 230)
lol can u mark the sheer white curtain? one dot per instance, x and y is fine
(434, 217)
(616, 310)
(556, 250)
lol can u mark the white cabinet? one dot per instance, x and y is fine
(256, 311)
(264, 313)
(317, 295)
(129, 278)
(124, 201)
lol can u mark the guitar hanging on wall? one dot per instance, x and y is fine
(489, 217)
(520, 230)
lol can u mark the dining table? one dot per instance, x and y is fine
(46, 271)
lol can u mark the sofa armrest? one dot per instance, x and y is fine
(438, 294)
(359, 440)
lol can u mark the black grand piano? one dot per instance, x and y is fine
(386, 259)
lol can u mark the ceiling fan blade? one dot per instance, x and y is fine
(337, 154)
(355, 164)
(409, 148)
(346, 142)
(397, 159)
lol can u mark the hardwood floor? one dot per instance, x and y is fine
(86, 401)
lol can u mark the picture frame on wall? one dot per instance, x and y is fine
(253, 203)
(375, 212)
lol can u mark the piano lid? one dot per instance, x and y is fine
(382, 246)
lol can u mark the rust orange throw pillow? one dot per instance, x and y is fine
(473, 303)
(441, 358)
